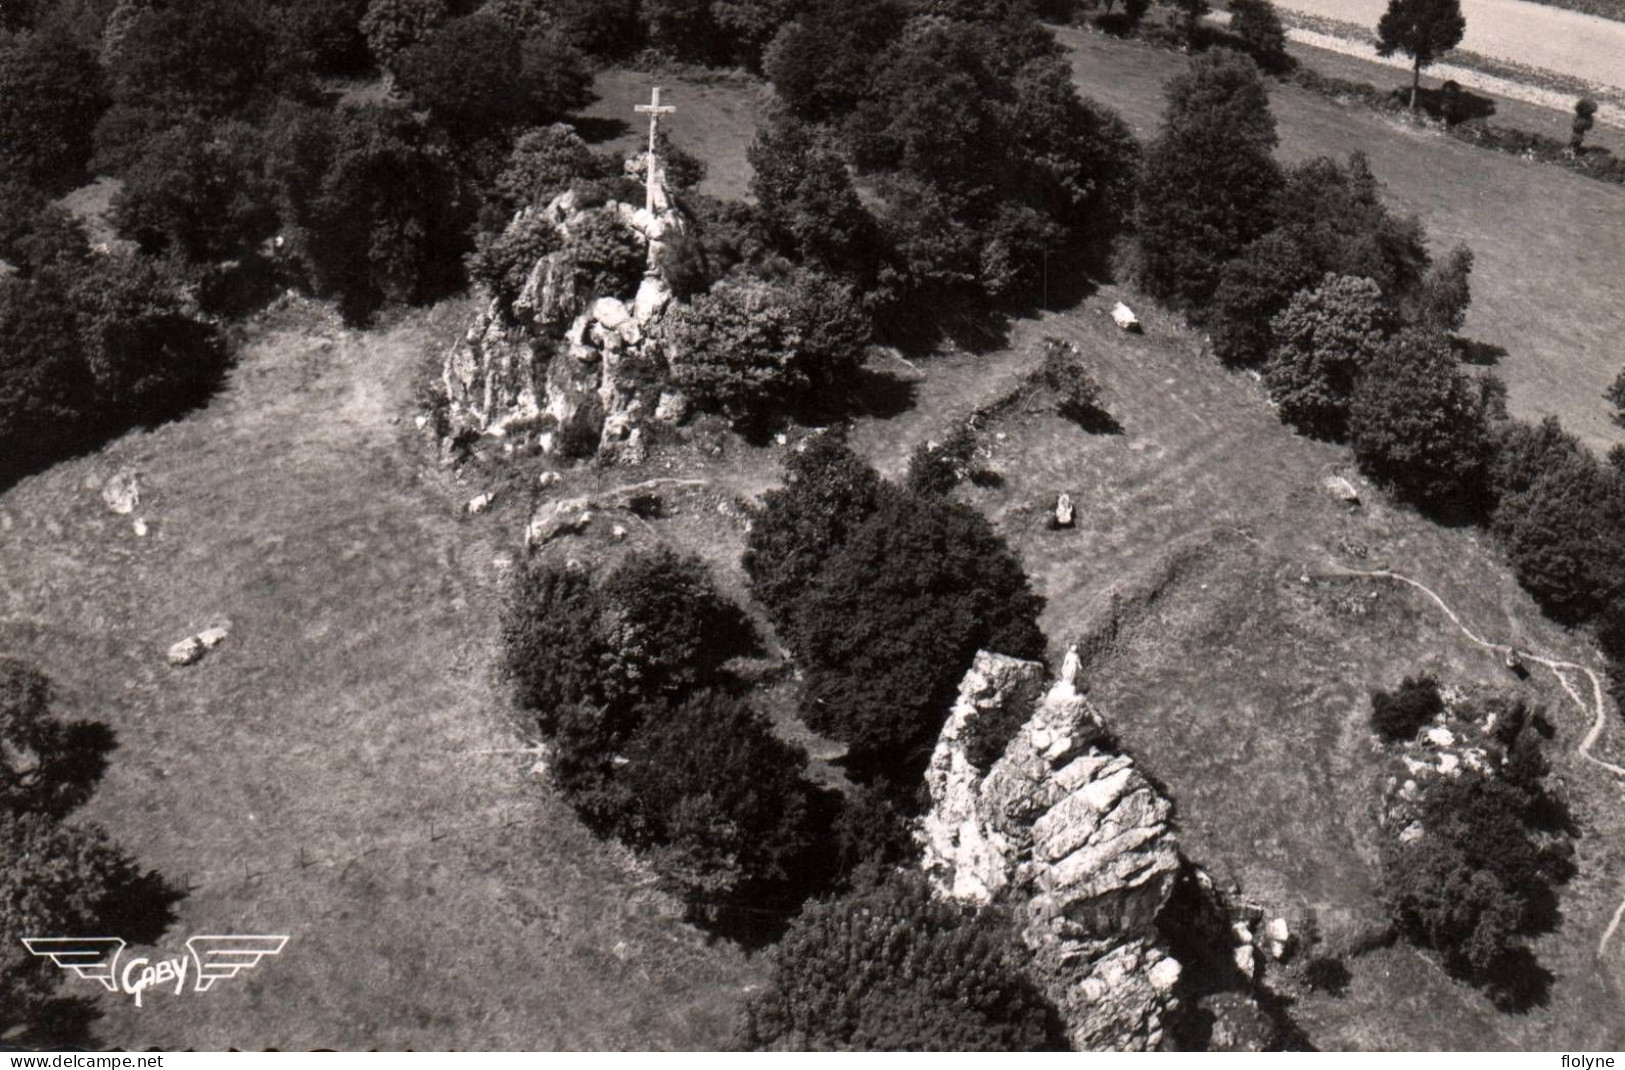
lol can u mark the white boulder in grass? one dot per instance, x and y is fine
(122, 493)
(190, 651)
(1124, 317)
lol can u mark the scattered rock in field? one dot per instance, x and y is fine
(481, 502)
(122, 493)
(190, 651)
(618, 531)
(1411, 833)
(547, 479)
(1341, 489)
(421, 420)
(139, 527)
(1441, 737)
(1063, 511)
(1246, 961)
(570, 516)
(1125, 318)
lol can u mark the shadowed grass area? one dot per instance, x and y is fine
(331, 771)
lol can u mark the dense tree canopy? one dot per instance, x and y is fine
(754, 349)
(51, 97)
(1209, 178)
(374, 205)
(476, 77)
(1323, 341)
(828, 493)
(1325, 217)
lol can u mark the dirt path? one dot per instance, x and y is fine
(1597, 706)
(1535, 35)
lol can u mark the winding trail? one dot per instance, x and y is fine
(1598, 703)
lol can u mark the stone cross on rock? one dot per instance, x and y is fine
(654, 110)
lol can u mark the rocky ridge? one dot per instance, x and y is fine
(556, 362)
(1074, 836)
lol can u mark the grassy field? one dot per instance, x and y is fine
(328, 772)
(1603, 9)
(1245, 688)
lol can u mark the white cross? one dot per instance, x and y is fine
(654, 111)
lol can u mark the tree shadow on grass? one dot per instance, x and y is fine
(1517, 984)
(596, 129)
(1479, 354)
(60, 1022)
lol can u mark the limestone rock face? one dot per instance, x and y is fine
(1074, 836)
(558, 360)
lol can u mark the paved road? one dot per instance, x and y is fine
(1582, 46)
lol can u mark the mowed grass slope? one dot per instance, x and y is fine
(1238, 667)
(329, 771)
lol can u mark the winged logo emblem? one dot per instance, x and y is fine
(211, 958)
(220, 958)
(95, 958)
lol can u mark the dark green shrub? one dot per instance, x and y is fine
(1615, 395)
(551, 640)
(1399, 714)
(1325, 338)
(935, 469)
(51, 96)
(894, 967)
(828, 493)
(1259, 27)
(547, 161)
(503, 263)
(720, 807)
(1420, 425)
(1077, 395)
(891, 623)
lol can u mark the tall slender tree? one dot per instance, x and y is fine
(1422, 29)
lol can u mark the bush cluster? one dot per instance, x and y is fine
(754, 349)
(1481, 877)
(891, 966)
(627, 678)
(884, 594)
(963, 125)
(1399, 714)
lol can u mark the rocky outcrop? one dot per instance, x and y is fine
(1069, 832)
(556, 364)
